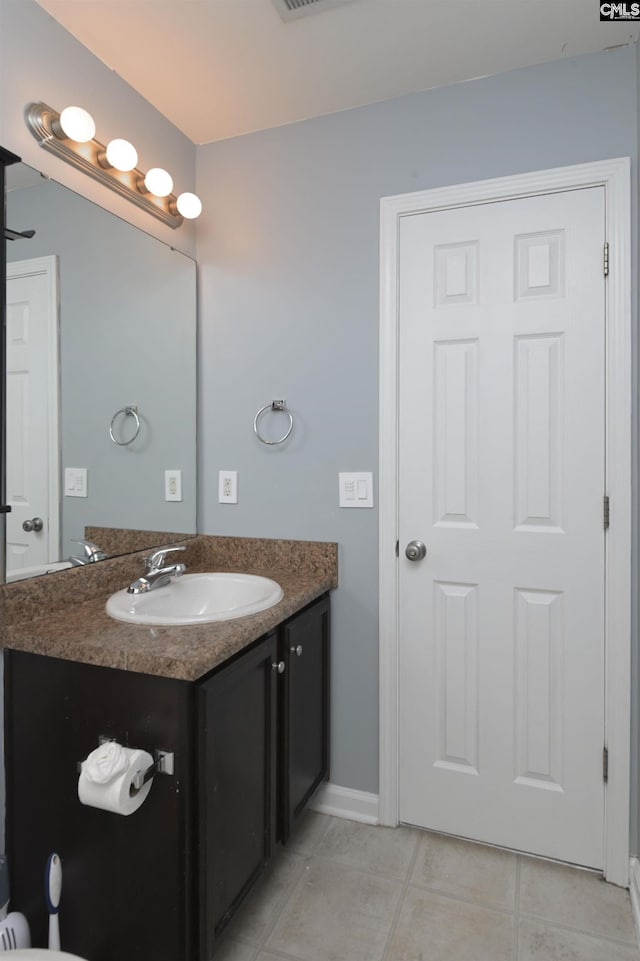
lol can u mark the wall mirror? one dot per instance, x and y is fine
(101, 376)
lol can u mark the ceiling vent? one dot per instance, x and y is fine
(292, 9)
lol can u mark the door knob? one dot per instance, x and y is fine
(296, 650)
(416, 550)
(279, 667)
(35, 524)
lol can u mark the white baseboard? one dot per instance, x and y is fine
(344, 802)
(634, 891)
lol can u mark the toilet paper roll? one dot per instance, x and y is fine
(118, 795)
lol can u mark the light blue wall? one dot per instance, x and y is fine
(288, 256)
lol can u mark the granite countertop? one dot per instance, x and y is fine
(81, 630)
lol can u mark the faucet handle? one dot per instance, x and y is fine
(90, 550)
(158, 558)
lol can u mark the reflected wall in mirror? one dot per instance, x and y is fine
(100, 317)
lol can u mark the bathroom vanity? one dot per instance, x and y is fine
(242, 705)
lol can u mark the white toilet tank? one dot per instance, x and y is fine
(42, 954)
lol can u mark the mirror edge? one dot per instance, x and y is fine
(7, 158)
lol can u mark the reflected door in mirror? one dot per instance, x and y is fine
(32, 413)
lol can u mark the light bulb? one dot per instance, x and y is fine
(77, 124)
(122, 155)
(189, 206)
(158, 182)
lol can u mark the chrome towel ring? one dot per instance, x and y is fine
(126, 412)
(275, 405)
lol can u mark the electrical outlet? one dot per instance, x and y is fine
(173, 485)
(228, 487)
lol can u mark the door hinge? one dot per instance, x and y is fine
(605, 764)
(605, 262)
(605, 512)
(397, 548)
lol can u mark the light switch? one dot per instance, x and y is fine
(75, 482)
(356, 490)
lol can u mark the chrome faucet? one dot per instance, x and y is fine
(90, 553)
(157, 574)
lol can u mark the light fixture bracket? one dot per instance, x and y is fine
(40, 119)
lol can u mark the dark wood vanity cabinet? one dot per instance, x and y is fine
(250, 747)
(265, 724)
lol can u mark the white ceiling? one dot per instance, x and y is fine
(219, 68)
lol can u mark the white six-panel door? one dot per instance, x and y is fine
(502, 475)
(33, 459)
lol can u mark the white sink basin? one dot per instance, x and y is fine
(197, 599)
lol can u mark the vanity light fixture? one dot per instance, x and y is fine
(70, 135)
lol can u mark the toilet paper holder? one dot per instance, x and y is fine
(163, 763)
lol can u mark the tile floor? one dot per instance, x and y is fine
(344, 891)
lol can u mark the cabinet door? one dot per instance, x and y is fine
(237, 732)
(305, 710)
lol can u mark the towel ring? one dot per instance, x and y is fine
(127, 412)
(277, 405)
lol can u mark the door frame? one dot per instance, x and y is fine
(48, 266)
(614, 176)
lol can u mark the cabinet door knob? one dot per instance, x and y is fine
(279, 667)
(296, 650)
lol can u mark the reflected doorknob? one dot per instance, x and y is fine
(416, 550)
(35, 524)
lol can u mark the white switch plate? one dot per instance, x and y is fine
(228, 487)
(356, 489)
(173, 485)
(75, 482)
